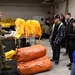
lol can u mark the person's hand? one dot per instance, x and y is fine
(10, 32)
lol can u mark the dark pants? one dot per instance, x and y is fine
(70, 54)
(56, 52)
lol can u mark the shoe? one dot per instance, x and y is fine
(69, 65)
(65, 54)
(56, 62)
(69, 68)
(5, 67)
(52, 60)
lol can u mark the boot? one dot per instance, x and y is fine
(6, 67)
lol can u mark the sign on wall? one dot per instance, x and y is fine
(41, 19)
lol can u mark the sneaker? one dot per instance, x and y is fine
(56, 62)
(5, 67)
(69, 65)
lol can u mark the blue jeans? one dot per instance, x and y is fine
(73, 69)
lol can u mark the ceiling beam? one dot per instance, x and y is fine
(16, 4)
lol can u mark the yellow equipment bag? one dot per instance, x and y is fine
(20, 23)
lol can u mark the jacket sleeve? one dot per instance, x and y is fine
(71, 35)
(60, 35)
(5, 32)
(50, 37)
(3, 37)
(51, 33)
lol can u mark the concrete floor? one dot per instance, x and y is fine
(60, 69)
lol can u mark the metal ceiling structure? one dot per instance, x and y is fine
(30, 2)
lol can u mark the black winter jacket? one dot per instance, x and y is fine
(60, 34)
(69, 25)
(71, 36)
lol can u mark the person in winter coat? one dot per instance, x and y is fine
(62, 18)
(71, 36)
(69, 22)
(56, 36)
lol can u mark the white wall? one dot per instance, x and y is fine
(26, 12)
(61, 8)
(72, 7)
(51, 10)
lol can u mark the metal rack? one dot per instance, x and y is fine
(28, 39)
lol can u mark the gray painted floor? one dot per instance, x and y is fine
(60, 69)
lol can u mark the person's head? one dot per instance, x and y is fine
(68, 16)
(74, 23)
(0, 27)
(56, 19)
(62, 17)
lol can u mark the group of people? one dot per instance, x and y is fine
(63, 31)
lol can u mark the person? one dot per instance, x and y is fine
(56, 36)
(73, 64)
(62, 18)
(71, 36)
(69, 21)
(48, 21)
(2, 55)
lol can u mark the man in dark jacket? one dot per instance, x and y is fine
(69, 22)
(62, 18)
(56, 37)
(71, 36)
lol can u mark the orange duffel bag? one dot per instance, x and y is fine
(30, 53)
(34, 66)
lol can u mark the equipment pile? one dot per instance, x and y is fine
(31, 60)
